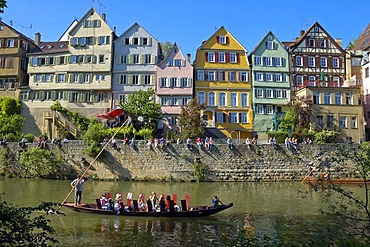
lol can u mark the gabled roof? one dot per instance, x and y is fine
(135, 25)
(363, 42)
(174, 46)
(213, 35)
(88, 13)
(66, 32)
(17, 32)
(260, 43)
(302, 38)
(51, 47)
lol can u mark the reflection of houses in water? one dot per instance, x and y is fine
(165, 231)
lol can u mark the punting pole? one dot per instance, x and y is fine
(91, 163)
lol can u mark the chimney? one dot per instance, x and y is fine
(301, 33)
(188, 57)
(339, 41)
(103, 16)
(37, 38)
(114, 29)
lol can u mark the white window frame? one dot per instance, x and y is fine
(222, 99)
(233, 99)
(335, 62)
(269, 109)
(233, 117)
(299, 61)
(323, 62)
(221, 57)
(244, 117)
(211, 99)
(258, 61)
(243, 76)
(259, 93)
(211, 57)
(233, 57)
(201, 98)
(244, 99)
(311, 62)
(200, 75)
(259, 76)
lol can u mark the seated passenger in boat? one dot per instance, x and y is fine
(104, 202)
(154, 200)
(215, 201)
(117, 207)
(141, 202)
(168, 203)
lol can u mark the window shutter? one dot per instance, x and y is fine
(216, 57)
(206, 56)
(43, 77)
(227, 54)
(273, 59)
(150, 41)
(90, 77)
(34, 78)
(223, 117)
(237, 57)
(216, 75)
(152, 79)
(227, 40)
(80, 77)
(141, 58)
(129, 79)
(218, 39)
(153, 60)
(263, 60)
(224, 75)
(240, 117)
(93, 59)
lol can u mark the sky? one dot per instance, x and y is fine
(189, 22)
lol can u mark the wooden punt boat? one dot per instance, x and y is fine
(196, 211)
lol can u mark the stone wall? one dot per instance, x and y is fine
(175, 162)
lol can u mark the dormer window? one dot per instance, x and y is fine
(222, 39)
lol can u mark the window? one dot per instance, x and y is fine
(104, 40)
(220, 117)
(61, 78)
(269, 93)
(270, 109)
(144, 41)
(244, 118)
(164, 101)
(200, 75)
(367, 72)
(311, 80)
(353, 122)
(163, 81)
(258, 61)
(101, 58)
(323, 43)
(75, 41)
(269, 77)
(211, 76)
(338, 98)
(232, 76)
(96, 23)
(10, 43)
(211, 57)
(147, 80)
(316, 97)
(127, 41)
(136, 58)
(259, 93)
(173, 81)
(33, 61)
(170, 63)
(221, 57)
(79, 59)
(221, 75)
(268, 61)
(311, 43)
(90, 40)
(278, 93)
(83, 41)
(323, 62)
(211, 99)
(327, 98)
(222, 39)
(278, 77)
(233, 58)
(343, 122)
(233, 99)
(135, 80)
(335, 62)
(277, 61)
(243, 76)
(269, 45)
(330, 121)
(38, 78)
(185, 82)
(201, 98)
(222, 99)
(348, 99)
(148, 59)
(259, 109)
(86, 78)
(299, 79)
(75, 78)
(136, 41)
(23, 64)
(319, 121)
(122, 79)
(298, 61)
(178, 62)
(244, 99)
(233, 117)
(48, 77)
(259, 76)
(311, 61)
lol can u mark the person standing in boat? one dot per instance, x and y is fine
(215, 201)
(77, 184)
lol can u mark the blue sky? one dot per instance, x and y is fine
(192, 21)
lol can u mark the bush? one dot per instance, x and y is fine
(326, 136)
(279, 135)
(29, 137)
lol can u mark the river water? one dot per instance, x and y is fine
(280, 213)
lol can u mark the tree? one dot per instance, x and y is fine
(2, 6)
(11, 121)
(166, 48)
(19, 228)
(144, 111)
(10, 106)
(299, 115)
(190, 121)
(289, 122)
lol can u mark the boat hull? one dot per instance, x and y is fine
(337, 181)
(198, 211)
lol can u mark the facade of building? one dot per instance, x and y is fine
(366, 86)
(13, 61)
(317, 59)
(174, 87)
(336, 108)
(76, 72)
(270, 84)
(223, 85)
(136, 54)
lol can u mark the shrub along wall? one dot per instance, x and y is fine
(175, 162)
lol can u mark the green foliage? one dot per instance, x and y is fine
(41, 163)
(190, 121)
(289, 122)
(171, 135)
(80, 121)
(18, 227)
(199, 170)
(29, 137)
(2, 6)
(166, 47)
(7, 167)
(93, 149)
(95, 133)
(141, 104)
(326, 136)
(10, 127)
(10, 106)
(279, 135)
(299, 115)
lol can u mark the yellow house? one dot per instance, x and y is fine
(337, 108)
(223, 85)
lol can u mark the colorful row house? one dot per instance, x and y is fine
(223, 85)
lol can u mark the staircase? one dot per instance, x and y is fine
(53, 121)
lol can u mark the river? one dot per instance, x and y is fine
(276, 213)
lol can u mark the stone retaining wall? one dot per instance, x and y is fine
(175, 162)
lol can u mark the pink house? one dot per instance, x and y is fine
(174, 87)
